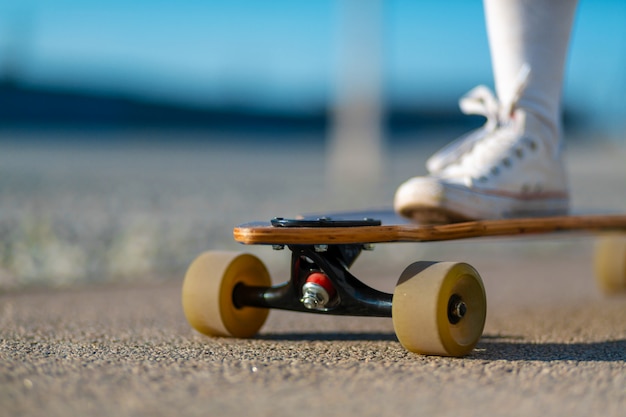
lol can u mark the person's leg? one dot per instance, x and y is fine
(534, 33)
(511, 166)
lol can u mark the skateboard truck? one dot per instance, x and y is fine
(341, 293)
(320, 278)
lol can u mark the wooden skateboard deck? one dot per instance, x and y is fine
(392, 228)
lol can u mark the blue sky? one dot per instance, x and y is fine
(284, 53)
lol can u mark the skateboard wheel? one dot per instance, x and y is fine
(207, 294)
(439, 308)
(610, 263)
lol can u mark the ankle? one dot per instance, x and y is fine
(539, 127)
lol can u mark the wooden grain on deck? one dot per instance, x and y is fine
(267, 234)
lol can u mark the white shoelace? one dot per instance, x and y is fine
(482, 143)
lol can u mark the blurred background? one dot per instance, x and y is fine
(133, 135)
(216, 62)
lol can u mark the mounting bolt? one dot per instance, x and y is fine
(278, 247)
(321, 248)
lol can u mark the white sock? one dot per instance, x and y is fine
(533, 32)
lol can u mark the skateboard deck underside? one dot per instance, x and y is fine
(396, 229)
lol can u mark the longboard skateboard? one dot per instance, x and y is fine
(437, 308)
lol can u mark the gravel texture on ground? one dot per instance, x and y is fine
(127, 351)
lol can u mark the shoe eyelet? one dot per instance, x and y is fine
(519, 153)
(507, 162)
(483, 179)
(532, 145)
(495, 171)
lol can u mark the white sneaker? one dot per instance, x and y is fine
(511, 167)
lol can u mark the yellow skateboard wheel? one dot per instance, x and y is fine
(439, 308)
(207, 294)
(610, 263)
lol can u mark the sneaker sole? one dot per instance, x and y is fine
(427, 200)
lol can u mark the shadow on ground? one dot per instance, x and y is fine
(511, 348)
(330, 337)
